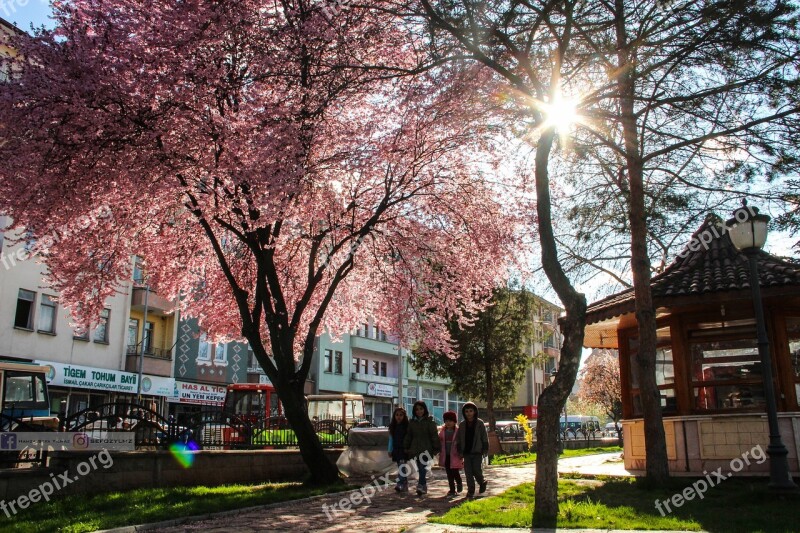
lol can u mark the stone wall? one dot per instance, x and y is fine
(131, 470)
(704, 443)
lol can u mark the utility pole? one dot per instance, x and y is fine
(141, 353)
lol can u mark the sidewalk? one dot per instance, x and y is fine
(388, 511)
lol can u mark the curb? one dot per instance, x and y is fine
(221, 514)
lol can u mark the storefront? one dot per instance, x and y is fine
(378, 403)
(188, 398)
(74, 388)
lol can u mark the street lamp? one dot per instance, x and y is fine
(553, 374)
(748, 232)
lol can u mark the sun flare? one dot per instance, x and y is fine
(562, 114)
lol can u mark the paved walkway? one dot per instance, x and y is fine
(388, 511)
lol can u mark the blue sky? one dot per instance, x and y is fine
(23, 13)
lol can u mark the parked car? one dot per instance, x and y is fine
(509, 430)
(611, 429)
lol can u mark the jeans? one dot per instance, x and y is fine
(401, 479)
(422, 468)
(473, 470)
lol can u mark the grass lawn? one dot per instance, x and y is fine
(733, 506)
(89, 513)
(522, 459)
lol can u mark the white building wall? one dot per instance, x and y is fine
(61, 346)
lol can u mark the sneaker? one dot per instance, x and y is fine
(459, 489)
(398, 487)
(451, 494)
(482, 487)
(470, 495)
(422, 490)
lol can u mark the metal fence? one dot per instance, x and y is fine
(209, 430)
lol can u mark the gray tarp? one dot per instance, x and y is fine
(367, 453)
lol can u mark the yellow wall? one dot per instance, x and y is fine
(162, 329)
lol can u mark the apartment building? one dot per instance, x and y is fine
(544, 351)
(371, 362)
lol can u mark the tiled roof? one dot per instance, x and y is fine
(713, 267)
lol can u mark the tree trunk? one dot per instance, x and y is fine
(553, 398)
(655, 441)
(323, 471)
(289, 384)
(489, 395)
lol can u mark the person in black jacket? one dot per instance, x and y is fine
(398, 428)
(422, 442)
(472, 442)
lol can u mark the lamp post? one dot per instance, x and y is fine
(748, 232)
(553, 374)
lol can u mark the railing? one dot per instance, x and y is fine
(208, 430)
(160, 353)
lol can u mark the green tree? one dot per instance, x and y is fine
(493, 352)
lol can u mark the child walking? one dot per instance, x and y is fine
(448, 454)
(398, 428)
(472, 442)
(421, 442)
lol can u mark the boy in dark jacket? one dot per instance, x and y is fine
(472, 442)
(422, 442)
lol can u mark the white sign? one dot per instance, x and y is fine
(379, 389)
(87, 377)
(263, 379)
(70, 440)
(197, 393)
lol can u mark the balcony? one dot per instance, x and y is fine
(152, 364)
(156, 305)
(149, 351)
(355, 376)
(372, 345)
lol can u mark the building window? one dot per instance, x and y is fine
(221, 354)
(47, 315)
(364, 364)
(383, 369)
(665, 374)
(547, 316)
(149, 327)
(550, 339)
(356, 363)
(337, 366)
(133, 336)
(24, 316)
(138, 271)
(328, 363)
(376, 369)
(101, 333)
(203, 349)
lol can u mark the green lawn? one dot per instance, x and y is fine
(88, 513)
(522, 459)
(735, 505)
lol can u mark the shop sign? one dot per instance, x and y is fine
(380, 389)
(197, 393)
(86, 377)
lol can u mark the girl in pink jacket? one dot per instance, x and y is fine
(448, 456)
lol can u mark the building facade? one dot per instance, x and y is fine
(371, 362)
(544, 352)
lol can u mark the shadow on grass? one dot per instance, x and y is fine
(736, 505)
(743, 504)
(81, 513)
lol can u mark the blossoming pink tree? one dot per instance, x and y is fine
(268, 163)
